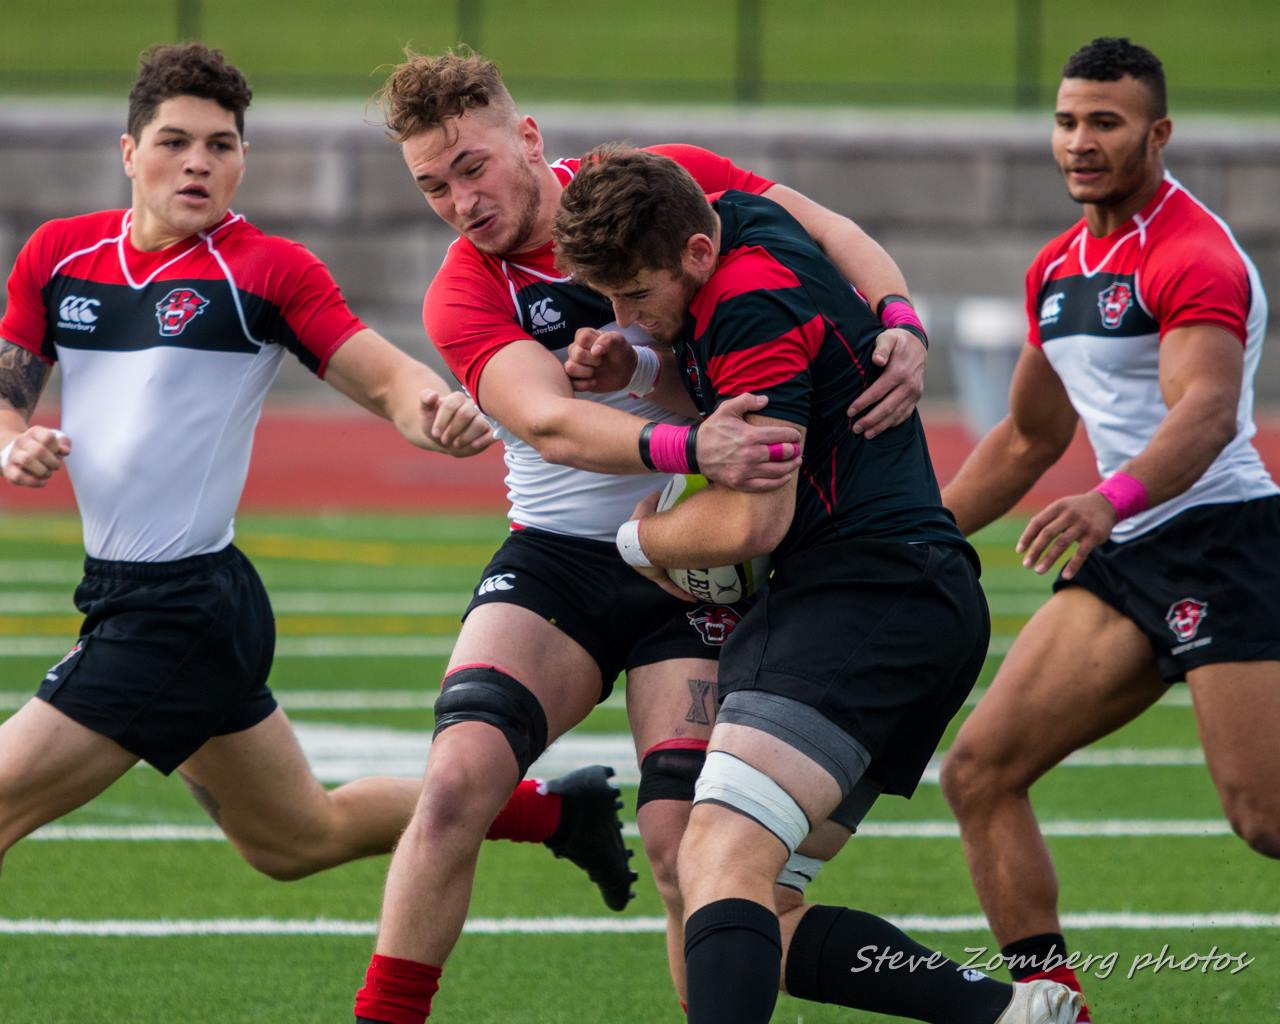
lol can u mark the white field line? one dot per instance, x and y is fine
(588, 925)
(285, 602)
(1105, 829)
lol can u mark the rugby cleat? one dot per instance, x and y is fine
(1041, 1002)
(590, 832)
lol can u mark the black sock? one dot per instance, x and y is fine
(851, 958)
(733, 958)
(1038, 954)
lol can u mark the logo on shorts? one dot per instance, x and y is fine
(52, 674)
(714, 622)
(76, 313)
(544, 316)
(492, 584)
(177, 309)
(1184, 617)
(1113, 303)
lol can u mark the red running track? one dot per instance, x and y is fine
(325, 462)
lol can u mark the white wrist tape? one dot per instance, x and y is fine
(5, 452)
(628, 541)
(645, 377)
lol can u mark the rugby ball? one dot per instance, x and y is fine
(724, 584)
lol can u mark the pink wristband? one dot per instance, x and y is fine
(667, 448)
(1127, 495)
(900, 314)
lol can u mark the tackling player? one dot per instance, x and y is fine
(1146, 321)
(810, 730)
(558, 614)
(169, 320)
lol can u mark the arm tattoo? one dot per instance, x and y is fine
(23, 376)
(699, 691)
(204, 798)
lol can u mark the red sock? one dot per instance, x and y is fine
(1064, 975)
(397, 991)
(530, 816)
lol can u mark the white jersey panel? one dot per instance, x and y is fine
(161, 440)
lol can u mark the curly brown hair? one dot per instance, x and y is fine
(627, 210)
(424, 92)
(185, 69)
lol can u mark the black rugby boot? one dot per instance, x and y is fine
(590, 832)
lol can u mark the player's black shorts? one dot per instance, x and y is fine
(1204, 587)
(170, 654)
(885, 639)
(585, 589)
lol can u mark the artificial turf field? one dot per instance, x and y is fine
(132, 910)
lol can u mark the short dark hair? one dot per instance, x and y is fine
(625, 211)
(424, 92)
(185, 69)
(1108, 59)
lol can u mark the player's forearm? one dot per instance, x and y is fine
(584, 435)
(996, 475)
(1187, 441)
(717, 526)
(23, 376)
(12, 423)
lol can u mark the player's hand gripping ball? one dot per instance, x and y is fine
(724, 584)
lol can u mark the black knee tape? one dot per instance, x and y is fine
(484, 694)
(669, 775)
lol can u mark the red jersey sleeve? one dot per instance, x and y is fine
(1196, 276)
(469, 315)
(25, 320)
(313, 308)
(712, 171)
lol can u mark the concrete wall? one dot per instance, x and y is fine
(962, 202)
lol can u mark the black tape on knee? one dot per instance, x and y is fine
(669, 775)
(484, 694)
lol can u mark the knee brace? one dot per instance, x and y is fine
(669, 769)
(482, 693)
(733, 783)
(799, 871)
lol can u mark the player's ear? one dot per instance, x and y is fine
(700, 255)
(1160, 133)
(128, 147)
(531, 136)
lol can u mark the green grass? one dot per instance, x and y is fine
(619, 979)
(912, 52)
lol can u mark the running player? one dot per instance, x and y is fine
(809, 731)
(1146, 322)
(558, 614)
(170, 320)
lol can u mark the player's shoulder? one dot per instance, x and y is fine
(1186, 227)
(463, 268)
(62, 236)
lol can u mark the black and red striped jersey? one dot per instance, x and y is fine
(479, 303)
(166, 357)
(776, 318)
(1099, 308)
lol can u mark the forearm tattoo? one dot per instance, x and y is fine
(23, 375)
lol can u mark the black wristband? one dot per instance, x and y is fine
(646, 433)
(918, 332)
(691, 449)
(892, 298)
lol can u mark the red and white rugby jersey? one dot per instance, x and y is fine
(1099, 307)
(166, 357)
(478, 304)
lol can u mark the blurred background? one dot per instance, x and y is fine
(925, 121)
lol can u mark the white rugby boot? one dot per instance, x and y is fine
(1041, 1002)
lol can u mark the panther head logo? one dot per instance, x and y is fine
(1184, 617)
(177, 309)
(714, 622)
(1113, 303)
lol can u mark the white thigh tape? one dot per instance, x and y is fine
(727, 780)
(799, 871)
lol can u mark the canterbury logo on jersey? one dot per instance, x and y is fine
(492, 584)
(1051, 309)
(78, 314)
(177, 309)
(544, 316)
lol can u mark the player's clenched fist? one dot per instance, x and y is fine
(31, 458)
(600, 361)
(454, 424)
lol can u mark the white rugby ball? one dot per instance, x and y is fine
(723, 584)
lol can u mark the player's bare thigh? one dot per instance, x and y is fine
(1077, 671)
(671, 700)
(1237, 707)
(50, 765)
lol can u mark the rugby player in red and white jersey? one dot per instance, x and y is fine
(1146, 323)
(558, 614)
(170, 320)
